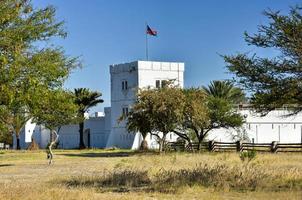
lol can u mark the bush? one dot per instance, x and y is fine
(247, 155)
(6, 137)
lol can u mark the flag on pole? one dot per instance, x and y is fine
(150, 31)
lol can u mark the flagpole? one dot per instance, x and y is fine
(146, 41)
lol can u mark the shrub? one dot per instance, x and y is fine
(247, 155)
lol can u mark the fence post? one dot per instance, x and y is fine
(239, 146)
(211, 145)
(274, 147)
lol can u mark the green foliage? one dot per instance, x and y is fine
(222, 114)
(211, 107)
(31, 67)
(225, 90)
(5, 135)
(86, 99)
(196, 113)
(248, 156)
(157, 111)
(168, 104)
(55, 108)
(274, 81)
(189, 113)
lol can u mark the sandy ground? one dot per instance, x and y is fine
(26, 175)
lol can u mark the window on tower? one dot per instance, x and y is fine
(161, 83)
(125, 111)
(124, 85)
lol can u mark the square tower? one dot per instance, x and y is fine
(126, 79)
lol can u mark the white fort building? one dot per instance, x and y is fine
(103, 130)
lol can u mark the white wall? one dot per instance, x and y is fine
(150, 71)
(68, 134)
(98, 129)
(273, 127)
(69, 137)
(120, 98)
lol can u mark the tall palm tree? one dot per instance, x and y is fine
(225, 90)
(85, 99)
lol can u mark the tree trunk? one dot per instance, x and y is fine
(49, 153)
(81, 130)
(199, 144)
(200, 139)
(200, 136)
(18, 142)
(144, 145)
(161, 144)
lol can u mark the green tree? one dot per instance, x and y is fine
(55, 109)
(167, 112)
(221, 97)
(195, 115)
(182, 111)
(222, 114)
(273, 81)
(30, 65)
(209, 108)
(158, 112)
(85, 99)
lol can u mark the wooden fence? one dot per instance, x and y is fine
(238, 146)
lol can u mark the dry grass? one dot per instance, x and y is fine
(116, 174)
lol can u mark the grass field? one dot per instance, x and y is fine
(122, 174)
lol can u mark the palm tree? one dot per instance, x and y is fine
(225, 90)
(85, 99)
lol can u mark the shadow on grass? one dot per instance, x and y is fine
(6, 165)
(109, 154)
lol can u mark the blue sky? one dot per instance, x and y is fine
(104, 32)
